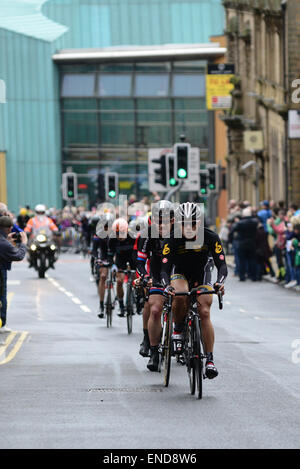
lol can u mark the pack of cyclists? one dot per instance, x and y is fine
(171, 250)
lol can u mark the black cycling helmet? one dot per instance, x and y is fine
(163, 208)
(189, 211)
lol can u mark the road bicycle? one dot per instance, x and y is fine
(111, 295)
(130, 302)
(193, 348)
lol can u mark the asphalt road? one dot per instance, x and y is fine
(69, 382)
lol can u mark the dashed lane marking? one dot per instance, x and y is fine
(75, 300)
(13, 282)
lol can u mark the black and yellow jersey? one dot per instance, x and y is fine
(191, 263)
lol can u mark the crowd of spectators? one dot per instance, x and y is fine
(264, 241)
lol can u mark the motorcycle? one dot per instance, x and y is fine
(43, 252)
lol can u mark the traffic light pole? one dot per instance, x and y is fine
(174, 190)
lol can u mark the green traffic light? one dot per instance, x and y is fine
(112, 194)
(70, 193)
(182, 173)
(203, 191)
(211, 186)
(172, 182)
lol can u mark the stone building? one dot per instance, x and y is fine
(263, 42)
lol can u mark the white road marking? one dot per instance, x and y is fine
(13, 282)
(75, 300)
(242, 310)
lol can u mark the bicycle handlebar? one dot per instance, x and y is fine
(195, 291)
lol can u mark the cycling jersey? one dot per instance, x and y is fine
(123, 252)
(193, 263)
(100, 248)
(150, 248)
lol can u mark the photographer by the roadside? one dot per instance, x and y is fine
(12, 248)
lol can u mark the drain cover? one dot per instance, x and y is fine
(128, 390)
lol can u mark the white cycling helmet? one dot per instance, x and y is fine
(40, 209)
(189, 211)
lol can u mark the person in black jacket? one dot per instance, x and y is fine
(246, 248)
(9, 252)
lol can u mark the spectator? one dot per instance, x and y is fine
(290, 278)
(22, 218)
(246, 235)
(9, 252)
(277, 227)
(263, 253)
(265, 213)
(296, 249)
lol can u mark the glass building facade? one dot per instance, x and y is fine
(111, 114)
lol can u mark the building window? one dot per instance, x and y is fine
(151, 85)
(78, 84)
(114, 85)
(185, 84)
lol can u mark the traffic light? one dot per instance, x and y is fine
(111, 186)
(172, 180)
(161, 171)
(203, 182)
(101, 187)
(70, 186)
(182, 152)
(213, 177)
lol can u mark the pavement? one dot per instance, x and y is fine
(68, 382)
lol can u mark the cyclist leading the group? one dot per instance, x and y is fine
(183, 269)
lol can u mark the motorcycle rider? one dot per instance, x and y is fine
(40, 222)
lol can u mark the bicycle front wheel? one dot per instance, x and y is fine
(108, 308)
(167, 348)
(197, 358)
(129, 308)
(189, 350)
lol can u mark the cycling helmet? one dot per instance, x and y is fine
(40, 208)
(163, 208)
(189, 211)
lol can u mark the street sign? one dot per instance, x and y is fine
(219, 86)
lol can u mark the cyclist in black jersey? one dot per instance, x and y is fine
(151, 247)
(183, 269)
(100, 254)
(121, 250)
